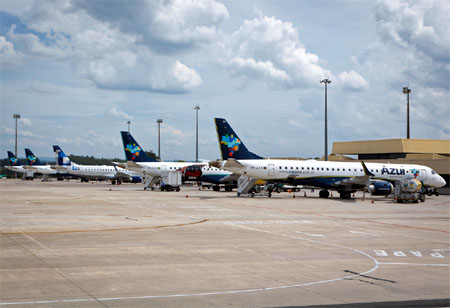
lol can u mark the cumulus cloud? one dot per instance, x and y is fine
(9, 58)
(113, 49)
(26, 121)
(119, 114)
(163, 25)
(353, 81)
(422, 25)
(269, 49)
(420, 31)
(12, 132)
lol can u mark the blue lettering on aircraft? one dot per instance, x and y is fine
(393, 171)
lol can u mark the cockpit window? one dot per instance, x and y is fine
(433, 172)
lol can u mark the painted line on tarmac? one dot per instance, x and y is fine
(352, 219)
(412, 264)
(105, 230)
(375, 267)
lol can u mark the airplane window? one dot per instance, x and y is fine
(376, 170)
(292, 168)
(322, 169)
(285, 167)
(307, 168)
(337, 169)
(303, 168)
(354, 169)
(360, 170)
(328, 169)
(343, 169)
(433, 172)
(312, 168)
(280, 167)
(265, 168)
(296, 168)
(332, 169)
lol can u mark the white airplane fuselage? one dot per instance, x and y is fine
(327, 174)
(42, 169)
(158, 168)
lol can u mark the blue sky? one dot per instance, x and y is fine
(77, 71)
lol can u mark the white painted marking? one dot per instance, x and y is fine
(310, 234)
(442, 249)
(358, 232)
(399, 253)
(375, 267)
(413, 264)
(380, 253)
(417, 253)
(266, 222)
(436, 255)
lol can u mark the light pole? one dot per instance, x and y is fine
(16, 116)
(128, 122)
(326, 82)
(406, 91)
(196, 108)
(159, 121)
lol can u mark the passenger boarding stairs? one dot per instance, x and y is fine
(245, 184)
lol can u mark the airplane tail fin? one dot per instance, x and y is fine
(133, 152)
(61, 158)
(32, 159)
(231, 146)
(13, 161)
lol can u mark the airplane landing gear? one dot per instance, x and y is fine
(345, 195)
(324, 194)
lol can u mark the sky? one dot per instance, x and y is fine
(78, 70)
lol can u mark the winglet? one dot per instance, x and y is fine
(366, 170)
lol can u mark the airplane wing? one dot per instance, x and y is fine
(59, 168)
(133, 165)
(231, 177)
(363, 180)
(233, 164)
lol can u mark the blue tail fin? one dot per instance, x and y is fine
(32, 159)
(133, 152)
(61, 158)
(13, 161)
(231, 146)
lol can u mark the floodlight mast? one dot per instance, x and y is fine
(159, 121)
(196, 108)
(326, 82)
(407, 90)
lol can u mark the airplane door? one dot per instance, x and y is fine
(423, 172)
(271, 169)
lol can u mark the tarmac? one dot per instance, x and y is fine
(72, 244)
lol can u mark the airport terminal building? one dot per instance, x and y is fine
(432, 153)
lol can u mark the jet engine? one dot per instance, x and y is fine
(381, 188)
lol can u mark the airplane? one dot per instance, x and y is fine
(86, 172)
(14, 164)
(138, 161)
(344, 177)
(35, 165)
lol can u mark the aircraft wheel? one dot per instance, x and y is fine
(238, 194)
(422, 198)
(324, 194)
(269, 195)
(178, 189)
(252, 195)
